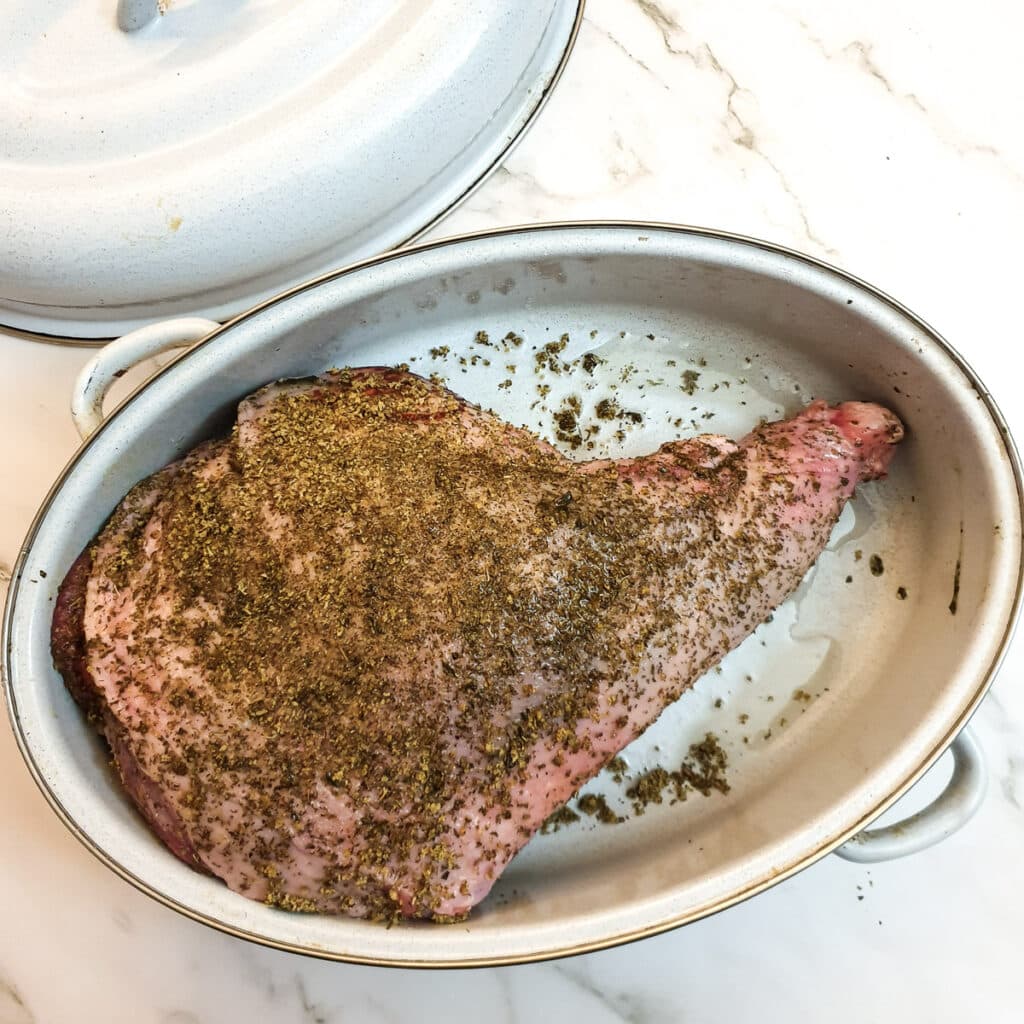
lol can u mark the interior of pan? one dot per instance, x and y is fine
(824, 714)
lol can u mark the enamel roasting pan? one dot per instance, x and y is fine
(828, 713)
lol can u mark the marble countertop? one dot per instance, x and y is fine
(884, 137)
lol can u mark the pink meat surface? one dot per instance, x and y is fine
(350, 658)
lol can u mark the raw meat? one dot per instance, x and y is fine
(350, 658)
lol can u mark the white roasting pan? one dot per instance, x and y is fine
(828, 712)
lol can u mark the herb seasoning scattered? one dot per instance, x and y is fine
(596, 806)
(690, 378)
(559, 819)
(703, 770)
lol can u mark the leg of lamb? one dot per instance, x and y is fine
(349, 658)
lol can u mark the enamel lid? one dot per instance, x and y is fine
(196, 156)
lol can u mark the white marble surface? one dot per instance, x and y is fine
(883, 136)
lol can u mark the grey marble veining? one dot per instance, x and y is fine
(861, 55)
(13, 1008)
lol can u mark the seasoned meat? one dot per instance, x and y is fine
(349, 658)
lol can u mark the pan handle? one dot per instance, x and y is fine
(947, 813)
(117, 358)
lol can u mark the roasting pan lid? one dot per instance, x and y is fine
(202, 156)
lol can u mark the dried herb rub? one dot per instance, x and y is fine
(351, 657)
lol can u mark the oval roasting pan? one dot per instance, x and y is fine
(828, 713)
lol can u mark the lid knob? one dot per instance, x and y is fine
(135, 14)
